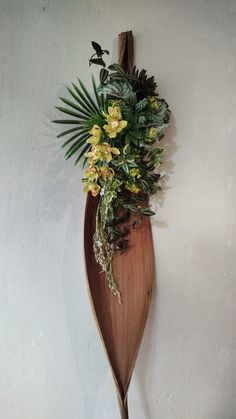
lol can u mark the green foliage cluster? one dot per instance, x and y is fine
(116, 130)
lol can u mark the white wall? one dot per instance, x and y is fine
(52, 365)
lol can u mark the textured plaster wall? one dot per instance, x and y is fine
(52, 365)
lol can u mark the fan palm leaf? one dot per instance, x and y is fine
(82, 154)
(69, 112)
(81, 135)
(85, 111)
(74, 106)
(75, 147)
(95, 92)
(88, 96)
(68, 131)
(82, 109)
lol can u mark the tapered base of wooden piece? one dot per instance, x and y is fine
(124, 414)
(121, 326)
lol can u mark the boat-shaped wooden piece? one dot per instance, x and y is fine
(121, 326)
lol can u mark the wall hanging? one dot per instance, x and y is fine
(116, 132)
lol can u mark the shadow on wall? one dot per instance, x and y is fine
(62, 203)
(146, 357)
(84, 341)
(62, 177)
(166, 168)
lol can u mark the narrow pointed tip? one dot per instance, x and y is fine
(124, 413)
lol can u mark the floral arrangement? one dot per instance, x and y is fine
(116, 131)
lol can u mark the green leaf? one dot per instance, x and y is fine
(126, 149)
(69, 112)
(83, 100)
(97, 61)
(103, 75)
(82, 135)
(95, 91)
(82, 153)
(74, 106)
(86, 111)
(125, 168)
(135, 141)
(85, 162)
(145, 185)
(68, 121)
(88, 96)
(68, 131)
(102, 101)
(97, 48)
(79, 143)
(133, 208)
(118, 68)
(147, 211)
(106, 100)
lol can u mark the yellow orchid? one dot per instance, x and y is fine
(92, 173)
(115, 123)
(114, 126)
(108, 151)
(93, 155)
(92, 187)
(114, 112)
(101, 152)
(96, 135)
(106, 172)
(96, 131)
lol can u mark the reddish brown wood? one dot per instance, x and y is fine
(121, 326)
(126, 50)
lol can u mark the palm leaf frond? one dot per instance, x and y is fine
(90, 99)
(85, 162)
(68, 121)
(74, 106)
(83, 101)
(68, 131)
(76, 146)
(95, 92)
(82, 110)
(69, 112)
(85, 113)
(82, 153)
(80, 135)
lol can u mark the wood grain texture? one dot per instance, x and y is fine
(121, 326)
(126, 50)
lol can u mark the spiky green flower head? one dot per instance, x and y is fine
(153, 102)
(135, 173)
(151, 135)
(131, 187)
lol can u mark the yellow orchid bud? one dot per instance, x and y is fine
(92, 173)
(96, 131)
(92, 187)
(106, 172)
(114, 112)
